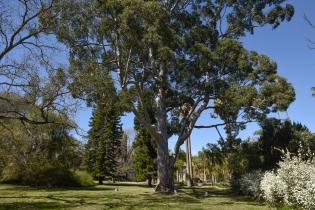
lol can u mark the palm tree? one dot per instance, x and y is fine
(214, 156)
(203, 163)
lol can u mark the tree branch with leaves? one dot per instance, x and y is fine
(181, 52)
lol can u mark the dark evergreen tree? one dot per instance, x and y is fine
(145, 156)
(277, 136)
(266, 152)
(103, 142)
(145, 146)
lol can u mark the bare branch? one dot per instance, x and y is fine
(222, 124)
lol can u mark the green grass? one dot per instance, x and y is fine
(128, 197)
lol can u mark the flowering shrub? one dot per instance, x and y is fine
(250, 184)
(293, 184)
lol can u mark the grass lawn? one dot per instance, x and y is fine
(127, 197)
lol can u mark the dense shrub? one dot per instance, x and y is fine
(53, 177)
(11, 175)
(83, 178)
(44, 158)
(293, 184)
(250, 184)
(48, 177)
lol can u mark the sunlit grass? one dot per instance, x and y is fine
(127, 197)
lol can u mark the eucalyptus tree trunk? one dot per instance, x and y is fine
(165, 167)
(165, 162)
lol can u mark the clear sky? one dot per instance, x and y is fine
(288, 46)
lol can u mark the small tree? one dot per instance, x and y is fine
(145, 146)
(214, 157)
(203, 162)
(180, 165)
(145, 156)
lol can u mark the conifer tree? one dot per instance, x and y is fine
(103, 142)
(145, 156)
(145, 146)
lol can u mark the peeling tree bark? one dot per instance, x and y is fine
(164, 160)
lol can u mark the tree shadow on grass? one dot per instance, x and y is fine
(32, 205)
(199, 193)
(169, 199)
(118, 200)
(53, 189)
(49, 202)
(92, 188)
(147, 201)
(121, 184)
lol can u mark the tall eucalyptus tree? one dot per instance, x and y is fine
(186, 52)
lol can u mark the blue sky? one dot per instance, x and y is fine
(288, 46)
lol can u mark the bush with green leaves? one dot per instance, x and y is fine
(39, 155)
(83, 178)
(292, 184)
(48, 177)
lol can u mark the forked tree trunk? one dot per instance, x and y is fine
(165, 168)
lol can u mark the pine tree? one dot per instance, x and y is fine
(145, 146)
(145, 156)
(103, 142)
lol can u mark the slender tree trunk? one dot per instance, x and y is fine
(165, 167)
(100, 180)
(188, 163)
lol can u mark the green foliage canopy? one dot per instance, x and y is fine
(185, 52)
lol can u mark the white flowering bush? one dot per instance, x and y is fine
(250, 184)
(293, 184)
